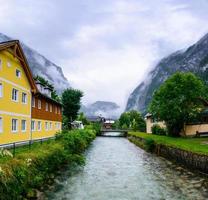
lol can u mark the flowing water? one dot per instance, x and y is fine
(118, 170)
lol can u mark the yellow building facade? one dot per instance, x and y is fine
(19, 120)
(15, 96)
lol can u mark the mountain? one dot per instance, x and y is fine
(41, 66)
(104, 108)
(193, 59)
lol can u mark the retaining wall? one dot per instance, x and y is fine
(189, 159)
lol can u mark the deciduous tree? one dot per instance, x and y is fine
(177, 101)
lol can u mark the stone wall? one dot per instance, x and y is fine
(190, 160)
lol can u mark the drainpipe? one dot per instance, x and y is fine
(31, 117)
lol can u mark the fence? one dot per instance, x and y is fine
(12, 146)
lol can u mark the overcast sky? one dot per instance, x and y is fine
(105, 47)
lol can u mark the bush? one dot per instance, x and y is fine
(157, 130)
(20, 176)
(149, 144)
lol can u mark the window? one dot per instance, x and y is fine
(50, 108)
(50, 125)
(56, 110)
(9, 64)
(1, 124)
(1, 90)
(39, 125)
(59, 125)
(46, 106)
(14, 94)
(46, 125)
(18, 73)
(33, 125)
(39, 104)
(23, 125)
(14, 125)
(0, 64)
(33, 102)
(24, 98)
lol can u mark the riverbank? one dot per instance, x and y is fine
(25, 174)
(191, 152)
(116, 169)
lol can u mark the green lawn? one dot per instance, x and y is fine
(196, 145)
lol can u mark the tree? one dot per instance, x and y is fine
(177, 101)
(124, 120)
(71, 100)
(132, 119)
(82, 117)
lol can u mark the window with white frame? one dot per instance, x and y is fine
(50, 125)
(23, 125)
(51, 108)
(18, 73)
(33, 102)
(33, 125)
(39, 125)
(9, 64)
(14, 94)
(14, 125)
(24, 98)
(1, 125)
(1, 90)
(39, 104)
(46, 107)
(46, 125)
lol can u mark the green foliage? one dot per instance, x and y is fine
(177, 101)
(149, 144)
(97, 127)
(115, 125)
(157, 130)
(30, 170)
(132, 119)
(82, 117)
(195, 145)
(71, 100)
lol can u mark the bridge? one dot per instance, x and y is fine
(112, 133)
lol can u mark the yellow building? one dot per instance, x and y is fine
(27, 111)
(16, 87)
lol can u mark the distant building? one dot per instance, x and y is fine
(77, 125)
(190, 129)
(108, 124)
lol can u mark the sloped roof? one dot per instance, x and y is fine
(14, 47)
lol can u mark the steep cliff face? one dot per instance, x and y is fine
(42, 66)
(194, 59)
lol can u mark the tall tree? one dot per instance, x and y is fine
(132, 119)
(177, 101)
(71, 100)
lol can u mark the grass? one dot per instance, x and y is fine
(195, 145)
(21, 176)
(36, 146)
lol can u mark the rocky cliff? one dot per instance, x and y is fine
(193, 59)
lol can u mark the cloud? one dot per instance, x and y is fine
(114, 55)
(105, 47)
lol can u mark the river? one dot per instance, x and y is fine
(118, 170)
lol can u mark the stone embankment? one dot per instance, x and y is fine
(189, 159)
